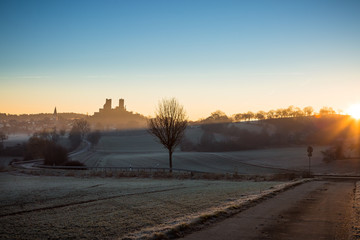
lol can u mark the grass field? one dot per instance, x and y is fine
(14, 139)
(139, 149)
(4, 163)
(43, 207)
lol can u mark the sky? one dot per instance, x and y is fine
(234, 56)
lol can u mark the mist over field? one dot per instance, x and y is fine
(180, 119)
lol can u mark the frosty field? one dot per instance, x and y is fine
(139, 149)
(42, 207)
(48, 207)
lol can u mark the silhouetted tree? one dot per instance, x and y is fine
(217, 116)
(75, 139)
(54, 154)
(335, 152)
(239, 117)
(43, 145)
(169, 125)
(271, 114)
(260, 115)
(308, 111)
(249, 115)
(82, 126)
(3, 137)
(298, 112)
(34, 148)
(289, 112)
(94, 137)
(62, 132)
(327, 111)
(279, 113)
(52, 136)
(78, 132)
(285, 112)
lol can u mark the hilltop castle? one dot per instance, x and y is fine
(106, 110)
(118, 117)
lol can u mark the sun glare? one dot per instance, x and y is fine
(354, 111)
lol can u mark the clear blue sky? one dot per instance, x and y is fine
(229, 55)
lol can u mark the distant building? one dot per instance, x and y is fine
(107, 105)
(118, 117)
(55, 116)
(107, 110)
(121, 104)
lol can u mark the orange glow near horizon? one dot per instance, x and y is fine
(354, 111)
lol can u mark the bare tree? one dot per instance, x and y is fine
(327, 111)
(217, 117)
(78, 132)
(308, 110)
(82, 126)
(3, 137)
(249, 115)
(290, 112)
(169, 125)
(270, 114)
(298, 112)
(238, 117)
(260, 115)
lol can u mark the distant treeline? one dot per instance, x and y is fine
(227, 136)
(289, 112)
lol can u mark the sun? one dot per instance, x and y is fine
(354, 111)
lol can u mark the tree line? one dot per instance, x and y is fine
(289, 112)
(228, 136)
(48, 144)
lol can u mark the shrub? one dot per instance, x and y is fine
(333, 153)
(78, 132)
(15, 151)
(55, 154)
(74, 163)
(75, 139)
(35, 148)
(94, 137)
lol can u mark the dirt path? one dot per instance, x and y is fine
(315, 210)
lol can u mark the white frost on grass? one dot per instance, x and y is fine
(19, 193)
(4, 163)
(230, 207)
(108, 208)
(141, 150)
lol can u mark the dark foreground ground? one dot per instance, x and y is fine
(314, 210)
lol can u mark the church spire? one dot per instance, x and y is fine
(55, 115)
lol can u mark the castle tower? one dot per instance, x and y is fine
(121, 104)
(107, 105)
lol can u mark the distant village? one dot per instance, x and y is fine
(118, 118)
(107, 118)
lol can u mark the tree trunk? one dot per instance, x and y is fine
(170, 160)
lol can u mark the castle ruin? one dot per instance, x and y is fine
(118, 117)
(108, 110)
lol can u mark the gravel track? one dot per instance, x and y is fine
(314, 210)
